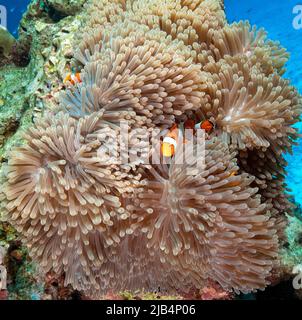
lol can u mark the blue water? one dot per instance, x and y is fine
(15, 10)
(276, 16)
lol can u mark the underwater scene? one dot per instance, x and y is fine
(150, 150)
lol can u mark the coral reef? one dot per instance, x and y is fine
(14, 51)
(65, 7)
(23, 280)
(85, 217)
(7, 42)
(54, 289)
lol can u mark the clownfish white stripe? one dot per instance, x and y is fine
(74, 78)
(170, 141)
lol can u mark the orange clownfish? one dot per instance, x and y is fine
(170, 141)
(234, 183)
(206, 125)
(73, 78)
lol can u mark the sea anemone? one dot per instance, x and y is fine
(133, 75)
(250, 109)
(175, 17)
(63, 191)
(85, 197)
(242, 39)
(269, 172)
(194, 216)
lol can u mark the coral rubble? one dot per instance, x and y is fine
(106, 226)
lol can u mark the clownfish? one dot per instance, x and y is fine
(170, 141)
(73, 78)
(206, 125)
(234, 183)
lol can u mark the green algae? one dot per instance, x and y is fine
(7, 234)
(23, 281)
(127, 295)
(7, 42)
(13, 82)
(23, 90)
(66, 7)
(292, 254)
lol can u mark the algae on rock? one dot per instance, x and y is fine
(67, 7)
(25, 92)
(7, 42)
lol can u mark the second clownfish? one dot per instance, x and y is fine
(234, 183)
(73, 78)
(206, 125)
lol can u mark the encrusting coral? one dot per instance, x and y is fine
(7, 42)
(110, 225)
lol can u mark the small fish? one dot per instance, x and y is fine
(170, 141)
(234, 183)
(206, 125)
(73, 78)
